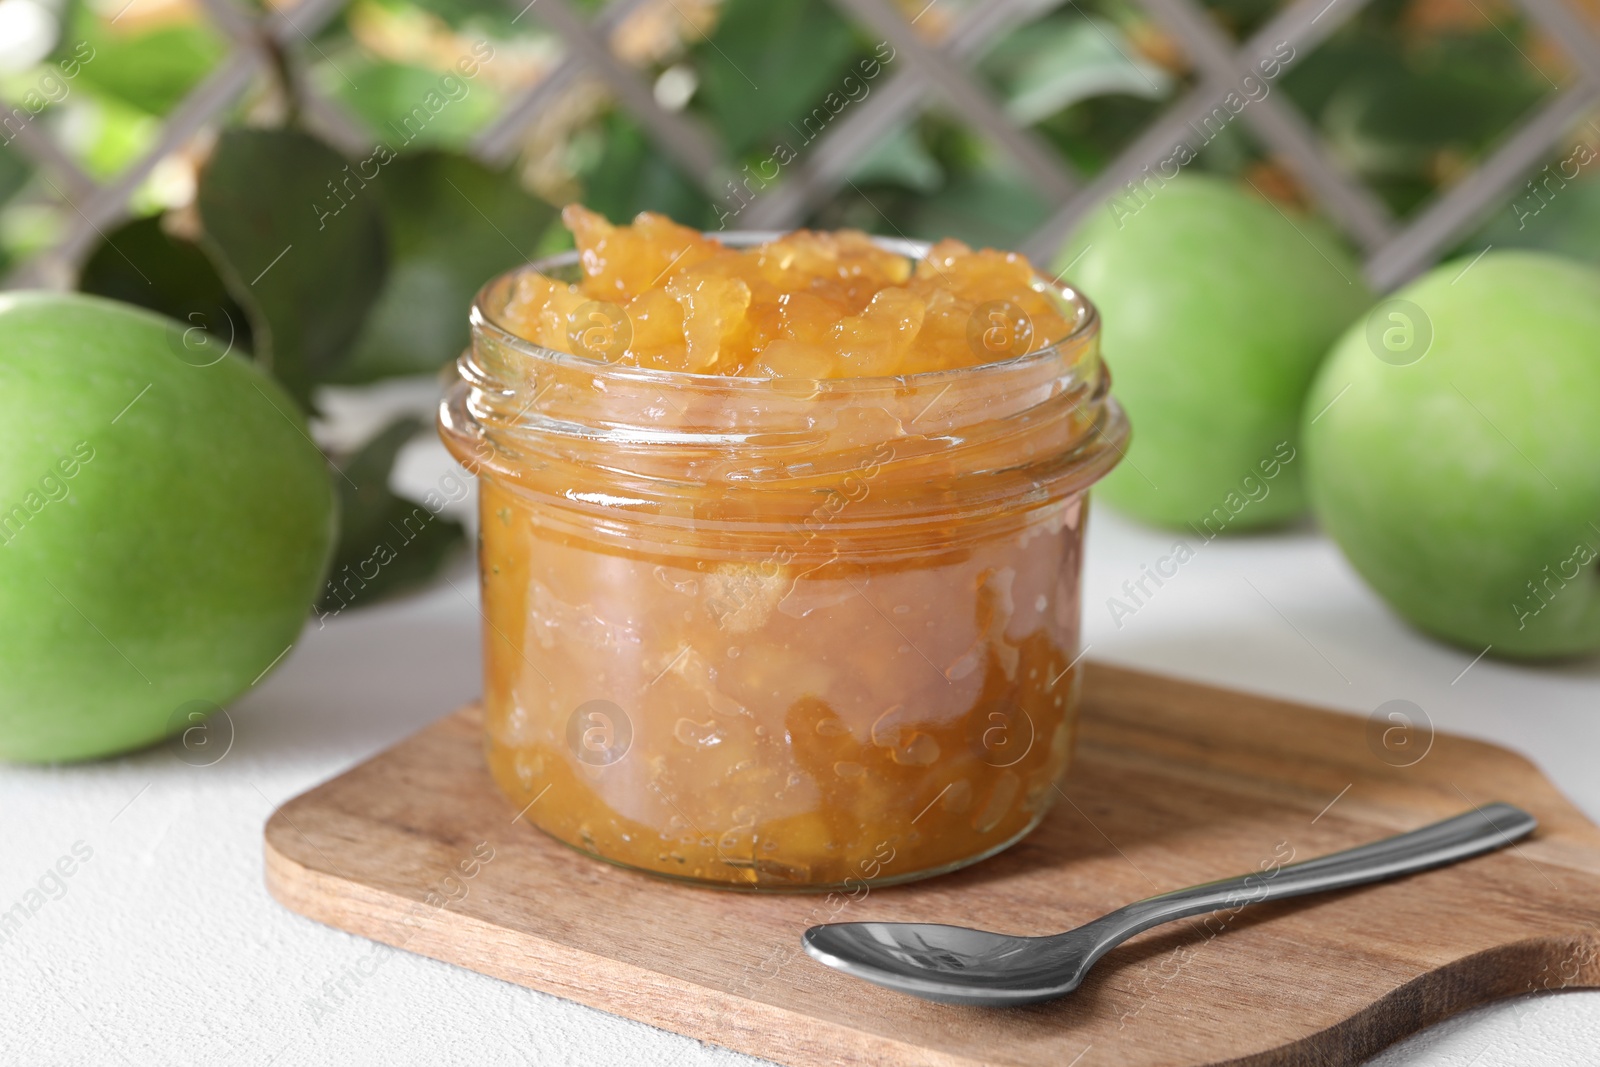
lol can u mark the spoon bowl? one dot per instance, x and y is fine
(943, 963)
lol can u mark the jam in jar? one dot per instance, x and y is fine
(780, 546)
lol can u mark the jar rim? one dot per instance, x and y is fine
(1086, 319)
(977, 445)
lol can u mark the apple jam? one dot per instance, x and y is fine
(803, 305)
(772, 630)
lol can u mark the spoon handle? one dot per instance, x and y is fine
(1481, 830)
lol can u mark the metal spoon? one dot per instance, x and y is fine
(960, 965)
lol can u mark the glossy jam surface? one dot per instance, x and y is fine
(776, 633)
(805, 305)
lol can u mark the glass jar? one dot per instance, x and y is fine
(780, 633)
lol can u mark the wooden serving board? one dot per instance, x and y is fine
(1174, 784)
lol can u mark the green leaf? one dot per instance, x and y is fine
(769, 63)
(152, 70)
(300, 242)
(628, 175)
(141, 263)
(1555, 215)
(409, 107)
(1051, 65)
(387, 544)
(14, 172)
(453, 225)
(987, 207)
(900, 159)
(1393, 113)
(1095, 131)
(1395, 122)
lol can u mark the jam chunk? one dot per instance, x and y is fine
(804, 305)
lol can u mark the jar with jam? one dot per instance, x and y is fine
(780, 540)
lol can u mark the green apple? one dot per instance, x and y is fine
(1453, 451)
(164, 524)
(1216, 308)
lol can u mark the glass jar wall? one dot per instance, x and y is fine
(780, 633)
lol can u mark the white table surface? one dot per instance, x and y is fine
(164, 947)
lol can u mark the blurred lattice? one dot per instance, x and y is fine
(672, 102)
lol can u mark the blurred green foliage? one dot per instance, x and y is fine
(141, 263)
(1552, 215)
(387, 544)
(1063, 61)
(451, 223)
(625, 173)
(150, 71)
(1408, 116)
(768, 64)
(391, 98)
(267, 194)
(1408, 94)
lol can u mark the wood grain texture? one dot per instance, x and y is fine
(1173, 784)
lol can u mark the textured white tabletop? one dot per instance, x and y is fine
(163, 946)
